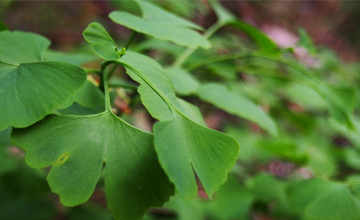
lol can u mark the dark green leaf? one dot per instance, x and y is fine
(134, 180)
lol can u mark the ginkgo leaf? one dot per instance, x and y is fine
(184, 83)
(161, 24)
(182, 142)
(336, 204)
(88, 96)
(78, 146)
(236, 104)
(29, 88)
(226, 18)
(103, 45)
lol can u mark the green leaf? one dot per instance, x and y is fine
(226, 18)
(88, 96)
(181, 139)
(161, 24)
(234, 103)
(184, 82)
(341, 102)
(186, 209)
(73, 58)
(336, 204)
(29, 88)
(302, 193)
(134, 180)
(232, 201)
(306, 42)
(103, 45)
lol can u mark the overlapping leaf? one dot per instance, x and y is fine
(234, 103)
(161, 24)
(78, 146)
(88, 96)
(182, 142)
(29, 88)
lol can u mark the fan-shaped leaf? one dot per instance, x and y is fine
(78, 146)
(29, 88)
(103, 45)
(161, 24)
(182, 141)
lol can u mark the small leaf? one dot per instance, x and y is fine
(78, 146)
(306, 42)
(29, 88)
(161, 24)
(234, 103)
(103, 45)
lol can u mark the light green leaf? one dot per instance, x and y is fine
(103, 45)
(182, 142)
(223, 16)
(336, 204)
(29, 88)
(134, 180)
(73, 58)
(16, 48)
(184, 82)
(161, 24)
(306, 42)
(234, 103)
